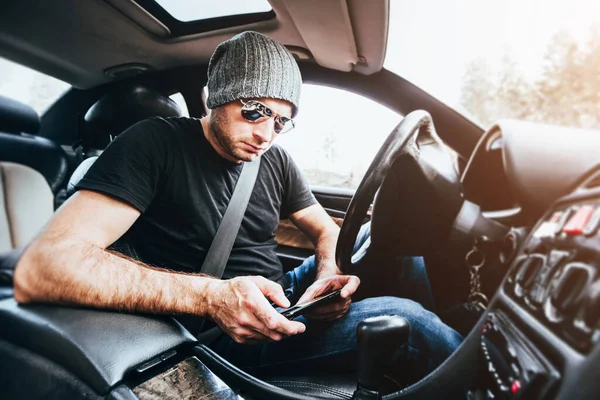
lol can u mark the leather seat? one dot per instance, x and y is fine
(114, 113)
(18, 123)
(32, 170)
(119, 110)
(26, 204)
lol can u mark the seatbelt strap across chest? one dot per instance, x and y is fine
(220, 248)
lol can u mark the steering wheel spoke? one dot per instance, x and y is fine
(406, 140)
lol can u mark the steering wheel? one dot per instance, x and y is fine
(409, 140)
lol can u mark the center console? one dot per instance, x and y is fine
(56, 352)
(542, 329)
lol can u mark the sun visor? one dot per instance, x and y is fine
(346, 35)
(326, 29)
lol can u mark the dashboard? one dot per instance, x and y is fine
(539, 337)
(528, 165)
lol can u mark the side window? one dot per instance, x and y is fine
(178, 98)
(337, 135)
(28, 86)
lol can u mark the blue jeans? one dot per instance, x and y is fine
(412, 282)
(332, 346)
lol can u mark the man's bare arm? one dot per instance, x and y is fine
(315, 223)
(68, 263)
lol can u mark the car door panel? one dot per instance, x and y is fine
(334, 200)
(293, 245)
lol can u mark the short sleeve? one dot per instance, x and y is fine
(134, 165)
(297, 194)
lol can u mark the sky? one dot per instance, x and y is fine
(431, 41)
(189, 10)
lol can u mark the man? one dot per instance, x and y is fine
(167, 182)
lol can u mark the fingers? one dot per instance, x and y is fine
(350, 287)
(275, 325)
(250, 328)
(248, 317)
(268, 321)
(348, 284)
(244, 335)
(329, 317)
(330, 312)
(271, 290)
(256, 325)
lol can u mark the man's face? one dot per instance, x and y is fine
(240, 139)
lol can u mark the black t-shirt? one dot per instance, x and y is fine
(169, 171)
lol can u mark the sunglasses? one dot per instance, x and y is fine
(256, 112)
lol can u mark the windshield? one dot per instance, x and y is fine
(533, 60)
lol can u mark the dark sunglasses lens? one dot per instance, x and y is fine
(252, 111)
(278, 127)
(266, 110)
(251, 115)
(283, 126)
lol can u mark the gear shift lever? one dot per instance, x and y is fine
(378, 338)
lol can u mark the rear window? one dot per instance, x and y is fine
(28, 86)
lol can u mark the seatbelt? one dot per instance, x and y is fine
(220, 248)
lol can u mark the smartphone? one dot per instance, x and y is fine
(299, 309)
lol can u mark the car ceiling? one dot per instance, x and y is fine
(78, 41)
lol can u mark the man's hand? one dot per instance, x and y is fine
(331, 310)
(241, 309)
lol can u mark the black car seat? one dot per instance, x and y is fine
(31, 170)
(111, 115)
(18, 125)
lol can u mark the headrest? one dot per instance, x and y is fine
(118, 110)
(16, 117)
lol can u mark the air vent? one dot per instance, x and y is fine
(570, 289)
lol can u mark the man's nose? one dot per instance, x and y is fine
(264, 131)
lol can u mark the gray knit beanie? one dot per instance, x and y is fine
(252, 65)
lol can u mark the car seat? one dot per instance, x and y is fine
(31, 170)
(114, 113)
(18, 124)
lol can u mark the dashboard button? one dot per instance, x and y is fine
(578, 221)
(515, 387)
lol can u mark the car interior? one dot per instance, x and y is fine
(506, 217)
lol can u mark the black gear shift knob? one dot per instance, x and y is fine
(378, 340)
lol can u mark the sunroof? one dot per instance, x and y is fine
(194, 10)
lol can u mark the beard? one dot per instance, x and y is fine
(220, 127)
